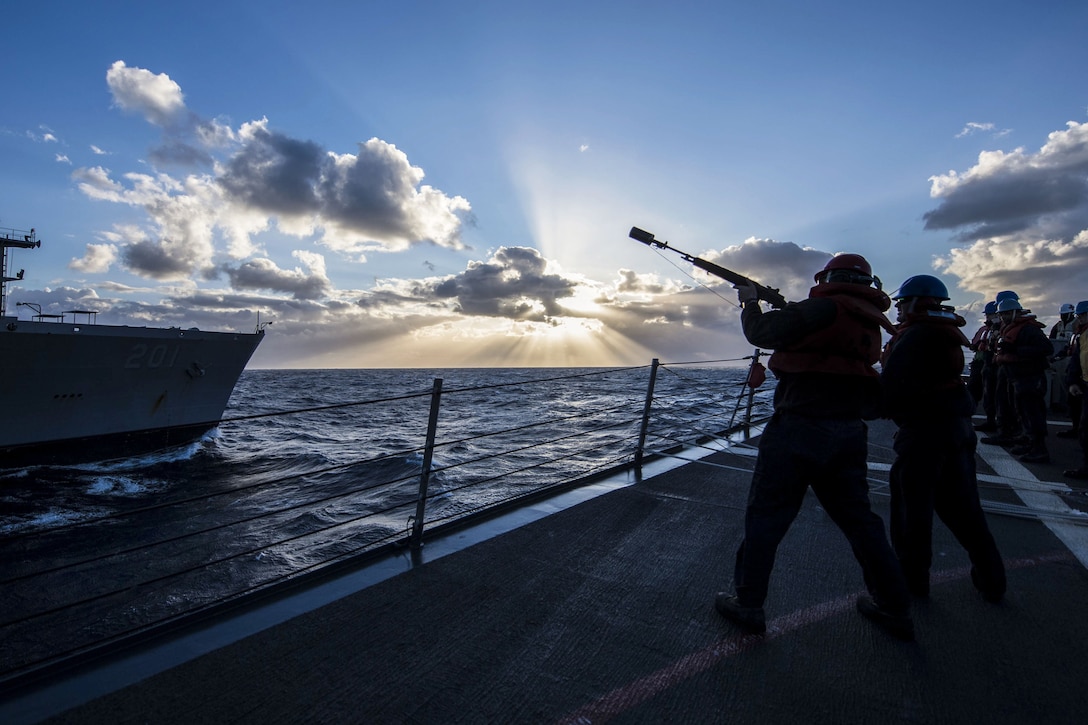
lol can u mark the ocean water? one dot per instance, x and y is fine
(309, 468)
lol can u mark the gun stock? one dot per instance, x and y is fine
(770, 295)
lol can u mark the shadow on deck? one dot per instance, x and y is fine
(603, 612)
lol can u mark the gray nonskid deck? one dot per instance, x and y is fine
(603, 612)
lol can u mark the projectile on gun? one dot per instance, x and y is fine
(769, 295)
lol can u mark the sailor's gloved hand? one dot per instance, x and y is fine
(746, 293)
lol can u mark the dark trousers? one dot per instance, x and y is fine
(975, 383)
(989, 390)
(1029, 393)
(829, 455)
(934, 472)
(1008, 421)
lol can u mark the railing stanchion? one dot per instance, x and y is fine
(428, 452)
(646, 414)
(751, 393)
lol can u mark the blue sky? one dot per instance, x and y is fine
(440, 184)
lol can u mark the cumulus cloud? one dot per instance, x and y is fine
(370, 200)
(263, 274)
(96, 183)
(273, 172)
(184, 216)
(97, 259)
(514, 283)
(1023, 217)
(258, 179)
(156, 97)
(1007, 193)
(631, 282)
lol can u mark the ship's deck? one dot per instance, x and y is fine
(603, 612)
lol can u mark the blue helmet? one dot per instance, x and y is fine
(922, 285)
(1007, 294)
(1009, 303)
(1082, 307)
(991, 308)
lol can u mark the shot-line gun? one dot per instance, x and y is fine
(769, 295)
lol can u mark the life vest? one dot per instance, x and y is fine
(982, 336)
(850, 345)
(1063, 331)
(949, 324)
(1007, 338)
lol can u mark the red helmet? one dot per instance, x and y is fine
(851, 262)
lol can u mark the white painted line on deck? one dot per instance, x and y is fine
(1039, 495)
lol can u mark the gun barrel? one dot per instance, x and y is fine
(767, 294)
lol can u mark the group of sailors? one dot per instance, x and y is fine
(1019, 371)
(825, 351)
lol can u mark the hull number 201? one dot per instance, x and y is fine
(152, 356)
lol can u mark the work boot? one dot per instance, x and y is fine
(1074, 434)
(1019, 450)
(899, 626)
(1081, 474)
(989, 426)
(991, 593)
(750, 619)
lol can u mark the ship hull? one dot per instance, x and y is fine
(74, 392)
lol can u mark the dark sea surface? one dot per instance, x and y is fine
(309, 468)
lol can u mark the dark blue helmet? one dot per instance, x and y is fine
(1009, 303)
(1082, 307)
(1007, 294)
(922, 285)
(991, 308)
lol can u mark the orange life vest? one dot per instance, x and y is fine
(948, 323)
(848, 346)
(1008, 336)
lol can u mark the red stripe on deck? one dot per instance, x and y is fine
(624, 698)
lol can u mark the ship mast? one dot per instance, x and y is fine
(12, 238)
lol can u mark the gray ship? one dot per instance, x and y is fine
(73, 390)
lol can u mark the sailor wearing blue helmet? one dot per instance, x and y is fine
(981, 383)
(1061, 334)
(993, 387)
(934, 467)
(1023, 358)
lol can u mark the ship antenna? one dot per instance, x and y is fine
(13, 238)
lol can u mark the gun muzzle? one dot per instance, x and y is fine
(641, 235)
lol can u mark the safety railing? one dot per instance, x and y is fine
(281, 516)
